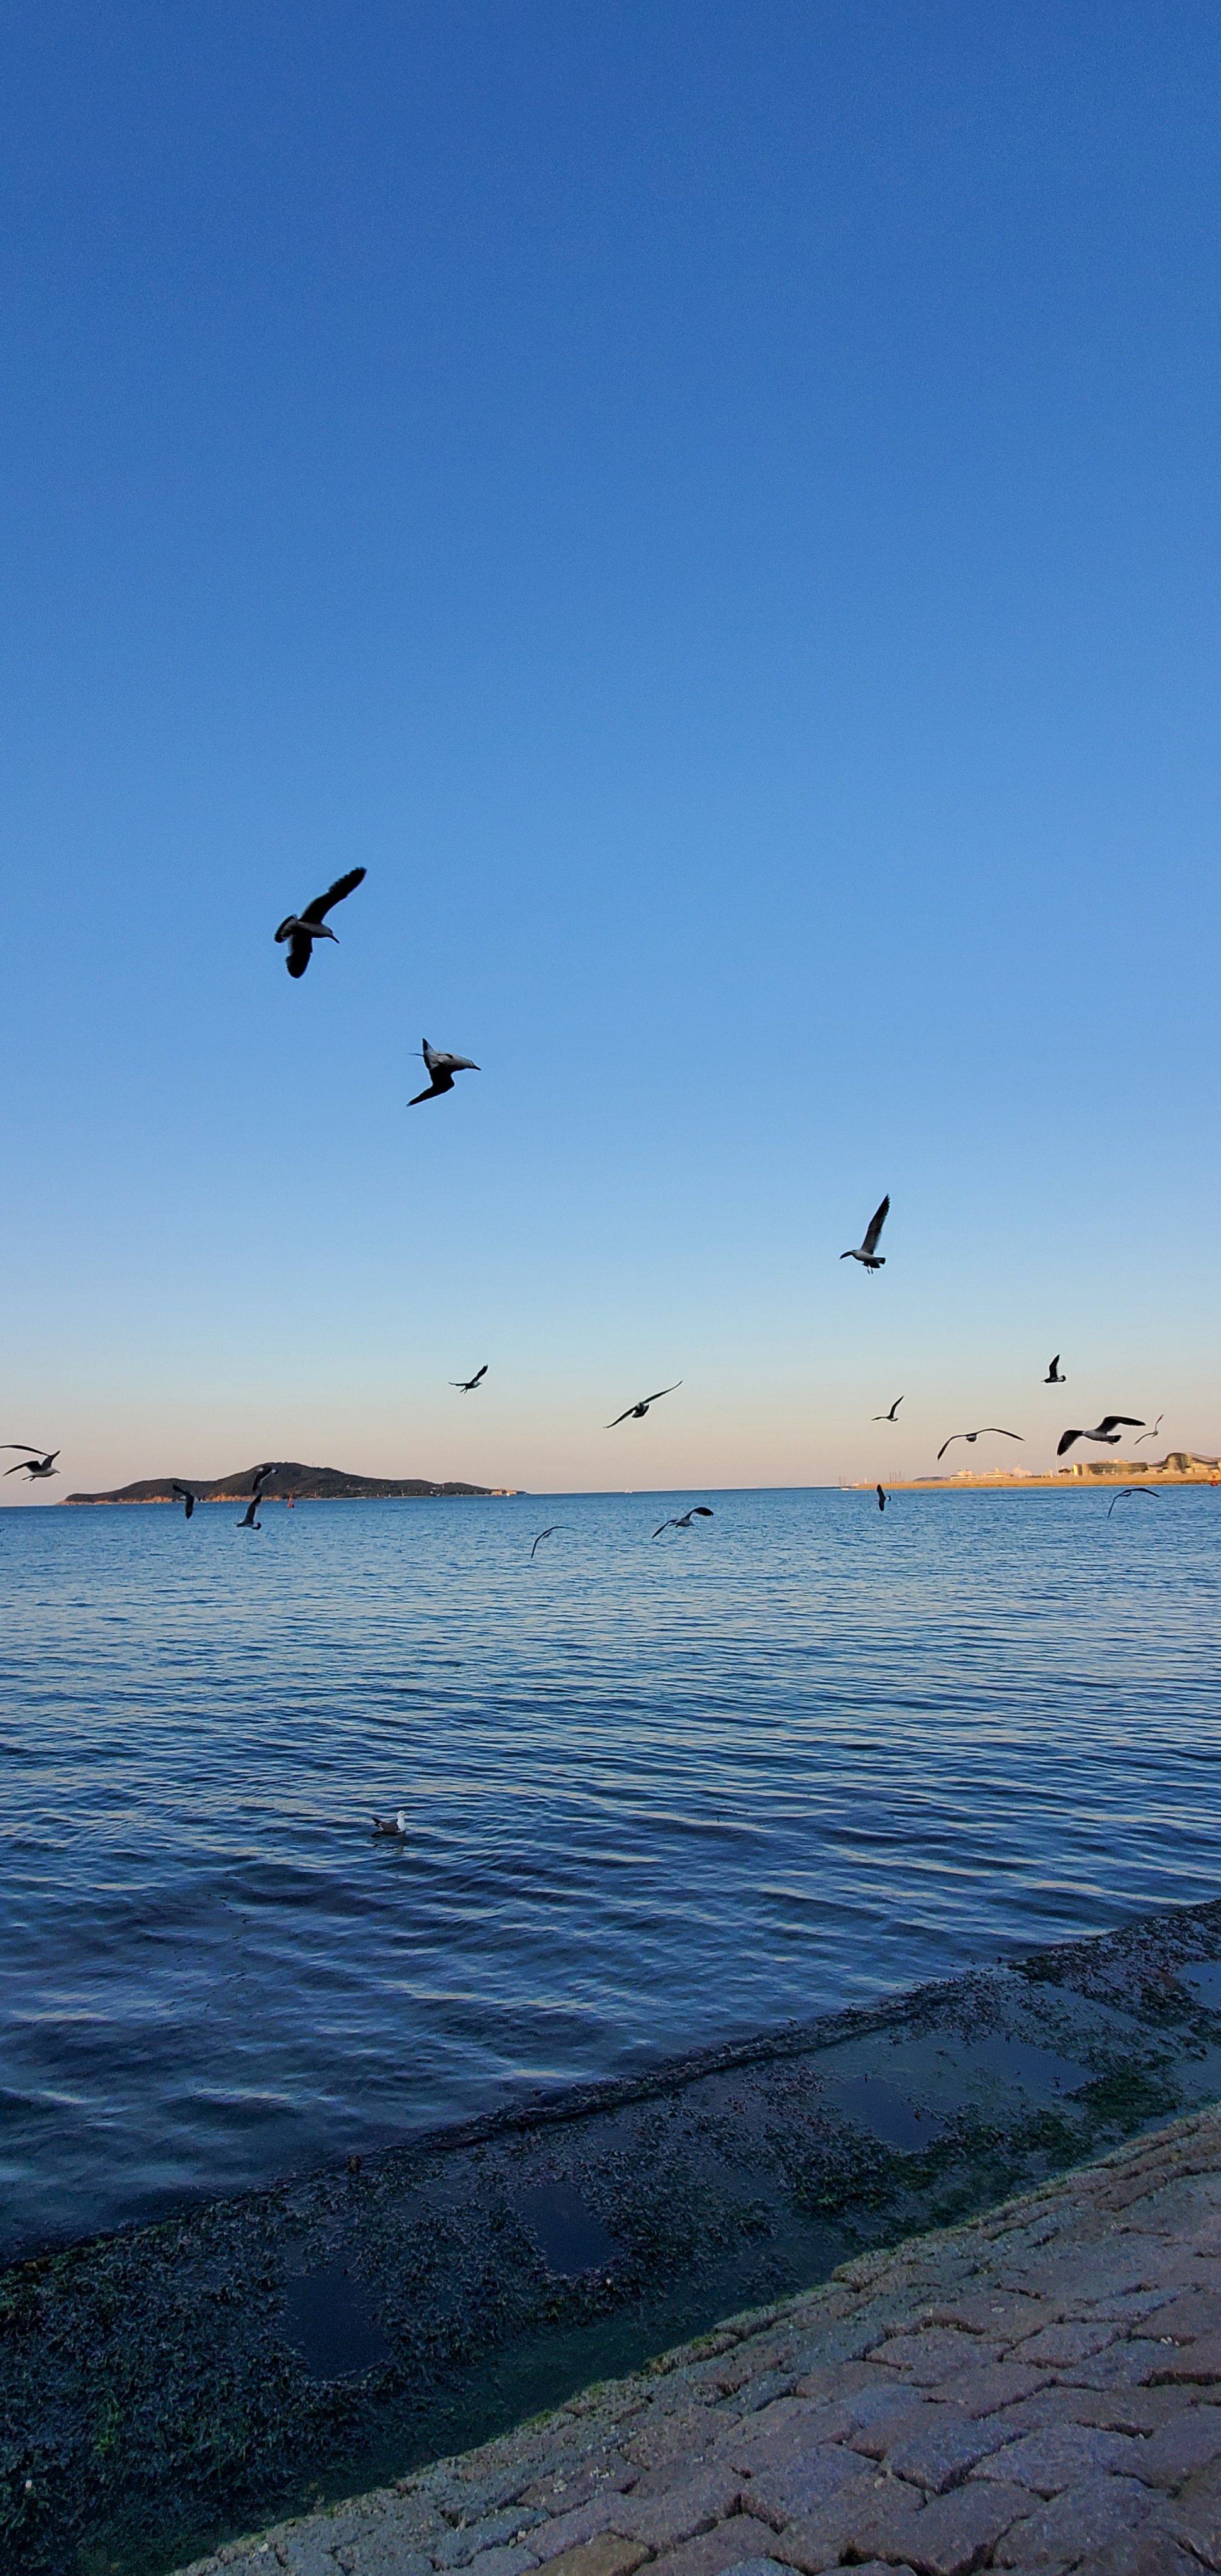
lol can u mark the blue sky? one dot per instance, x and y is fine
(716, 507)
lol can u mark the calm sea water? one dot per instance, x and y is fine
(659, 1793)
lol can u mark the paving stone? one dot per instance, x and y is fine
(569, 2530)
(1193, 2361)
(1132, 2363)
(933, 2355)
(757, 2567)
(1002, 2321)
(877, 2515)
(938, 2453)
(826, 2381)
(503, 2562)
(1061, 2456)
(1086, 2519)
(997, 2384)
(955, 2532)
(1195, 2516)
(712, 2552)
(459, 2547)
(608, 2556)
(1060, 2345)
(1149, 2552)
(802, 2483)
(1180, 2448)
(687, 2505)
(575, 2481)
(378, 2553)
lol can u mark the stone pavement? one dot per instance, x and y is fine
(1039, 2389)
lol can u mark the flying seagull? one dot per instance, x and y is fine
(882, 1417)
(396, 1825)
(868, 1250)
(1150, 1435)
(442, 1069)
(1148, 1494)
(185, 1496)
(301, 929)
(548, 1533)
(39, 1464)
(698, 1511)
(881, 1494)
(984, 1427)
(1055, 1375)
(467, 1385)
(637, 1412)
(1107, 1429)
(248, 1520)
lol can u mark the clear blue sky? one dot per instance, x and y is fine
(716, 507)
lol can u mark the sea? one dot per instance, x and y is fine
(659, 1792)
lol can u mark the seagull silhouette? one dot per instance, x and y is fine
(547, 1533)
(301, 929)
(442, 1069)
(38, 1464)
(698, 1511)
(467, 1385)
(881, 1496)
(1149, 1435)
(1107, 1429)
(867, 1252)
(185, 1496)
(1055, 1376)
(882, 1417)
(248, 1520)
(396, 1825)
(1147, 1493)
(637, 1412)
(984, 1427)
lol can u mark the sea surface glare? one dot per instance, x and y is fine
(660, 1793)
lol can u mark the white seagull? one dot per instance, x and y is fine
(1150, 1435)
(867, 1252)
(39, 1464)
(301, 929)
(1107, 1429)
(442, 1069)
(396, 1825)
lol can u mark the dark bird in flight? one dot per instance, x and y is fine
(1150, 1435)
(881, 1498)
(868, 1250)
(548, 1533)
(637, 1412)
(442, 1069)
(1055, 1375)
(37, 1464)
(1148, 1494)
(882, 1417)
(467, 1385)
(301, 929)
(185, 1496)
(698, 1511)
(248, 1520)
(997, 1427)
(1107, 1429)
(396, 1825)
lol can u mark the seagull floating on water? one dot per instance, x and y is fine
(396, 1825)
(867, 1252)
(882, 1417)
(1055, 1376)
(301, 929)
(548, 1533)
(442, 1068)
(185, 1496)
(1108, 1429)
(37, 1464)
(467, 1385)
(698, 1511)
(1148, 1494)
(637, 1412)
(984, 1428)
(1150, 1435)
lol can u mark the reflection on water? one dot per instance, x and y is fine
(655, 1797)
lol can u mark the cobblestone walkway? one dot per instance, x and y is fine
(1039, 2390)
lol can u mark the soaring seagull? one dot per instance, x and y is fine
(248, 1520)
(1108, 1430)
(868, 1250)
(467, 1385)
(882, 1417)
(548, 1533)
(396, 1825)
(1055, 1375)
(185, 1496)
(637, 1412)
(1150, 1435)
(698, 1511)
(38, 1464)
(984, 1427)
(1148, 1494)
(301, 929)
(442, 1069)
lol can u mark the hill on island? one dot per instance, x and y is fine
(305, 1484)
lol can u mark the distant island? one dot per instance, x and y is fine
(303, 1484)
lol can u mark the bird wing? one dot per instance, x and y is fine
(1001, 1432)
(948, 1444)
(300, 951)
(440, 1082)
(652, 1399)
(14, 1471)
(1113, 1421)
(703, 1511)
(610, 1426)
(480, 1372)
(34, 1445)
(1066, 1440)
(875, 1225)
(321, 905)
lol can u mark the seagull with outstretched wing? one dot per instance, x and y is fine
(301, 929)
(683, 1520)
(1055, 1375)
(867, 1252)
(1148, 1494)
(185, 1496)
(984, 1429)
(467, 1385)
(1108, 1429)
(441, 1071)
(548, 1533)
(39, 1463)
(637, 1412)
(882, 1417)
(1149, 1435)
